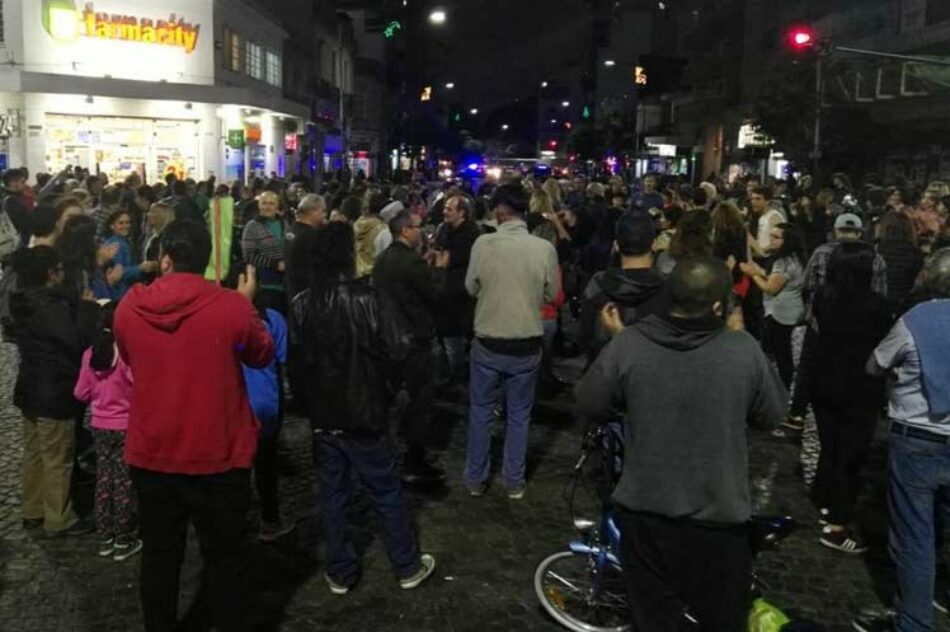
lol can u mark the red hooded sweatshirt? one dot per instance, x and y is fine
(185, 339)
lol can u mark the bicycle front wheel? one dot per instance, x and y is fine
(578, 597)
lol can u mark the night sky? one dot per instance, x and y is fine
(496, 50)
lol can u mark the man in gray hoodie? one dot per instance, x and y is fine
(691, 387)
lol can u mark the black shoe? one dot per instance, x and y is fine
(78, 528)
(873, 624)
(419, 471)
(844, 541)
(32, 523)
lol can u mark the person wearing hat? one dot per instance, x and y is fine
(848, 227)
(634, 288)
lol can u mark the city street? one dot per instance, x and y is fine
(487, 549)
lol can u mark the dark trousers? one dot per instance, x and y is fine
(374, 461)
(799, 406)
(419, 375)
(115, 502)
(675, 566)
(265, 478)
(845, 433)
(217, 504)
(778, 338)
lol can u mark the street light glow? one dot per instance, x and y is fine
(609, 62)
(504, 127)
(553, 121)
(544, 84)
(473, 111)
(565, 104)
(449, 85)
(437, 16)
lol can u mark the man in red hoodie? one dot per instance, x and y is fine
(192, 435)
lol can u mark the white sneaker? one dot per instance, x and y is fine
(428, 565)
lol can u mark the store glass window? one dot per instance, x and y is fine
(234, 51)
(273, 68)
(255, 65)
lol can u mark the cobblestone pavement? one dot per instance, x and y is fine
(487, 548)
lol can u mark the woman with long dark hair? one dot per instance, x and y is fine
(119, 226)
(348, 356)
(849, 320)
(692, 237)
(897, 245)
(83, 260)
(781, 294)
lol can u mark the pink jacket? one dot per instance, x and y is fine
(109, 392)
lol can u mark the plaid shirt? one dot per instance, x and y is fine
(817, 270)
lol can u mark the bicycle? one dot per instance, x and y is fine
(582, 588)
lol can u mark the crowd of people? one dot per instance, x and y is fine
(365, 288)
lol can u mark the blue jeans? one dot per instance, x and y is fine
(516, 377)
(374, 460)
(918, 469)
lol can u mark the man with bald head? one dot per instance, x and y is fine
(311, 215)
(691, 388)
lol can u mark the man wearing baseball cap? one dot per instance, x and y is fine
(848, 227)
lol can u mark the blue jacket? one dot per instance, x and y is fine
(130, 270)
(263, 385)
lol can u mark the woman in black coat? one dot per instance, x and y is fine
(51, 333)
(849, 320)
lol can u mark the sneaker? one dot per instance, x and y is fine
(941, 602)
(125, 551)
(420, 471)
(335, 588)
(844, 541)
(106, 547)
(823, 514)
(517, 492)
(271, 531)
(478, 490)
(873, 624)
(427, 562)
(79, 528)
(793, 422)
(32, 523)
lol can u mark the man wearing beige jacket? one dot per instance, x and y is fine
(511, 274)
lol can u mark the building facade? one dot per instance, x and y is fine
(194, 87)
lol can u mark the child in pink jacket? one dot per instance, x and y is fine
(105, 382)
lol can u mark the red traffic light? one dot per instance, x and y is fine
(801, 38)
(552, 144)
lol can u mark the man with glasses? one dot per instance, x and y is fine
(408, 296)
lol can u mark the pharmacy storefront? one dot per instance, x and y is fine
(120, 87)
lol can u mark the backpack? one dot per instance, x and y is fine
(9, 235)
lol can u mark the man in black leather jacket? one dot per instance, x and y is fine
(349, 349)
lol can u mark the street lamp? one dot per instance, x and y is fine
(553, 121)
(565, 104)
(473, 111)
(609, 62)
(437, 17)
(449, 85)
(544, 84)
(504, 127)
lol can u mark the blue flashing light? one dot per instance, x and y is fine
(474, 166)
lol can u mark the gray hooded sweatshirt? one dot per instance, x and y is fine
(691, 389)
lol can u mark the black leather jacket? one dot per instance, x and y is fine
(347, 350)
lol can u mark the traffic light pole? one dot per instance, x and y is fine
(816, 149)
